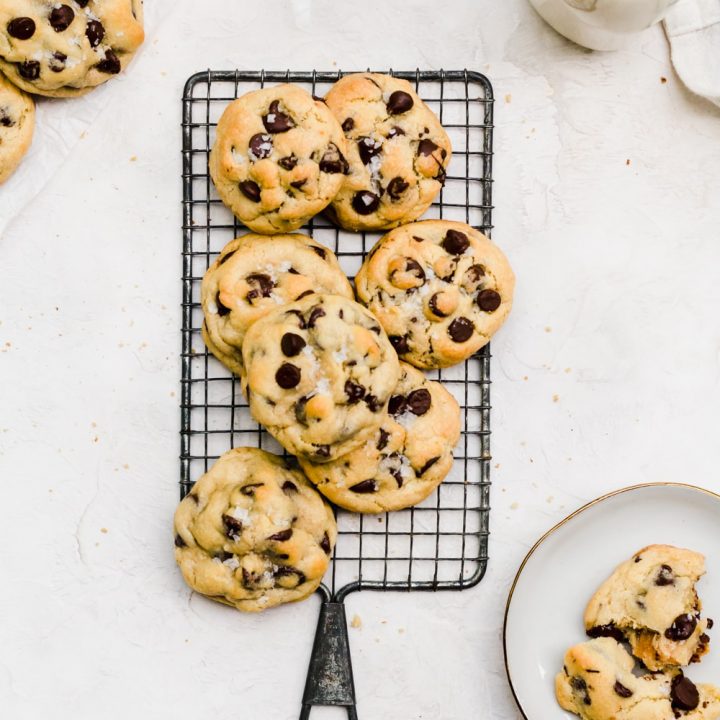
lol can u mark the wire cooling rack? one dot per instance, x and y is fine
(441, 544)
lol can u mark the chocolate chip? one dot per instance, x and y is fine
(366, 486)
(399, 102)
(322, 451)
(224, 555)
(5, 119)
(260, 146)
(348, 124)
(489, 300)
(704, 638)
(365, 202)
(301, 319)
(298, 183)
(300, 415)
(263, 283)
(710, 622)
(288, 486)
(285, 571)
(684, 694)
(315, 314)
(179, 542)
(320, 251)
(461, 330)
(394, 132)
(414, 267)
(61, 18)
(665, 576)
(372, 402)
(57, 62)
(432, 304)
(83, 3)
(222, 310)
(396, 187)
(249, 489)
(419, 401)
(325, 544)
(287, 376)
(638, 559)
(94, 32)
(580, 686)
(304, 294)
(30, 69)
(232, 525)
(474, 273)
(293, 271)
(418, 239)
(396, 404)
(251, 190)
(427, 147)
(455, 242)
(606, 631)
(383, 439)
(111, 63)
(276, 121)
(21, 28)
(368, 149)
(291, 344)
(317, 98)
(282, 536)
(354, 392)
(428, 465)
(333, 161)
(621, 690)
(288, 162)
(682, 628)
(400, 343)
(398, 477)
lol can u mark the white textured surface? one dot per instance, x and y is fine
(607, 373)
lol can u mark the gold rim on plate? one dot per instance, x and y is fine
(557, 527)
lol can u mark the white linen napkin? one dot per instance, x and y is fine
(693, 29)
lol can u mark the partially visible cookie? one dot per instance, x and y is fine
(439, 288)
(397, 150)
(318, 375)
(253, 532)
(651, 601)
(597, 683)
(253, 275)
(278, 158)
(17, 121)
(65, 49)
(404, 460)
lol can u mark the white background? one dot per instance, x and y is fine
(608, 204)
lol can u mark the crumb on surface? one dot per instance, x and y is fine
(133, 158)
(515, 506)
(663, 79)
(104, 530)
(356, 622)
(508, 98)
(548, 329)
(556, 398)
(627, 162)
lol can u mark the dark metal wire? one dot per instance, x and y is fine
(442, 544)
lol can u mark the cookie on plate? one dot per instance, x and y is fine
(17, 121)
(318, 375)
(650, 600)
(439, 288)
(66, 49)
(278, 158)
(397, 150)
(253, 275)
(405, 459)
(253, 532)
(597, 683)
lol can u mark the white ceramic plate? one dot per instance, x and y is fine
(546, 604)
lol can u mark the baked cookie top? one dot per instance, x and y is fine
(439, 288)
(279, 158)
(253, 532)
(253, 275)
(405, 459)
(397, 150)
(597, 683)
(318, 375)
(65, 49)
(650, 600)
(17, 121)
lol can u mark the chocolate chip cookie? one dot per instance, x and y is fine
(66, 49)
(17, 121)
(405, 459)
(318, 375)
(597, 683)
(397, 150)
(253, 275)
(279, 158)
(253, 532)
(439, 288)
(650, 601)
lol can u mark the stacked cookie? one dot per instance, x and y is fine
(58, 50)
(647, 611)
(336, 382)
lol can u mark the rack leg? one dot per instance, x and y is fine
(330, 679)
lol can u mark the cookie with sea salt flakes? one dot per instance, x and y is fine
(404, 460)
(66, 49)
(253, 275)
(17, 121)
(439, 288)
(278, 158)
(318, 375)
(397, 150)
(253, 532)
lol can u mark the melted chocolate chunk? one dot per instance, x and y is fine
(710, 622)
(298, 183)
(333, 161)
(222, 310)
(61, 18)
(428, 465)
(319, 251)
(224, 555)
(432, 304)
(276, 121)
(396, 405)
(179, 542)
(285, 571)
(372, 402)
(418, 239)
(348, 124)
(263, 283)
(398, 477)
(396, 187)
(94, 32)
(399, 102)
(414, 267)
(111, 64)
(461, 330)
(621, 690)
(665, 576)
(426, 147)
(21, 28)
(301, 319)
(300, 414)
(304, 294)
(315, 314)
(288, 162)
(383, 439)
(282, 536)
(354, 392)
(325, 544)
(580, 687)
(288, 376)
(455, 242)
(291, 344)
(322, 451)
(682, 628)
(249, 489)
(606, 631)
(394, 132)
(400, 343)
(83, 3)
(489, 300)
(5, 119)
(368, 149)
(57, 62)
(366, 486)
(365, 202)
(419, 401)
(225, 258)
(251, 190)
(30, 69)
(289, 486)
(684, 694)
(232, 525)
(260, 146)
